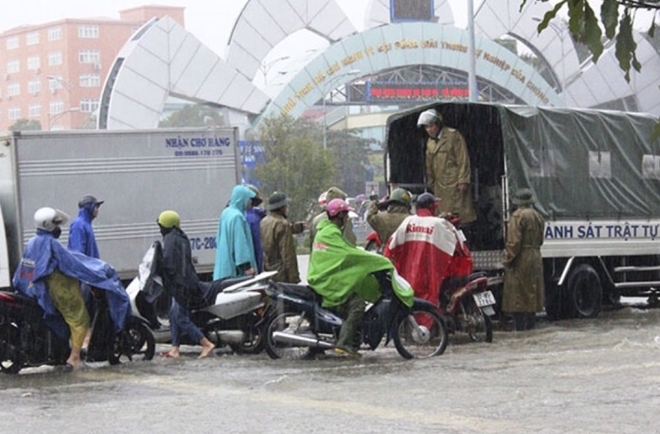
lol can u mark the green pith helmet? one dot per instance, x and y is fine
(401, 196)
(335, 193)
(169, 219)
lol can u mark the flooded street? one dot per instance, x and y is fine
(583, 376)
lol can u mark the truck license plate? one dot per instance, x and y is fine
(485, 298)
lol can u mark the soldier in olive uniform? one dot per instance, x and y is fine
(523, 272)
(277, 240)
(448, 167)
(385, 223)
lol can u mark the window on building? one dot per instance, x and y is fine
(32, 38)
(33, 63)
(13, 89)
(89, 105)
(90, 80)
(88, 31)
(12, 43)
(13, 67)
(89, 56)
(34, 110)
(56, 107)
(14, 113)
(54, 33)
(34, 86)
(54, 82)
(55, 58)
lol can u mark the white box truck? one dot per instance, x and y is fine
(596, 180)
(137, 173)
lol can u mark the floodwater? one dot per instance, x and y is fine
(579, 376)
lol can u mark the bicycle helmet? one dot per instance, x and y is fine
(337, 206)
(48, 218)
(169, 219)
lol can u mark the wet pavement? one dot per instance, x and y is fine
(579, 376)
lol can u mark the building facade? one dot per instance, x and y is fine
(53, 73)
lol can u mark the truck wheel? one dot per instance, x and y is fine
(584, 297)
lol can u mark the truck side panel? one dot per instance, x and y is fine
(138, 174)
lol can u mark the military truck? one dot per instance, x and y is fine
(137, 173)
(595, 176)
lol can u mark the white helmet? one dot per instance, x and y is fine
(48, 218)
(428, 117)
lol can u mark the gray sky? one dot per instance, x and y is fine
(210, 21)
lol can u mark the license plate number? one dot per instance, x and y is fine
(485, 298)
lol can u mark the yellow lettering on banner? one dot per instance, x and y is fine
(384, 48)
(304, 91)
(319, 77)
(369, 50)
(334, 68)
(429, 43)
(454, 47)
(538, 92)
(352, 58)
(517, 73)
(502, 64)
(406, 44)
(290, 105)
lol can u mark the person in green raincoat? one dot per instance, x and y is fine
(342, 274)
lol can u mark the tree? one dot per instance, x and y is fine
(352, 154)
(193, 115)
(583, 24)
(294, 162)
(25, 125)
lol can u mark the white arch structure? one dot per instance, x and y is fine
(163, 59)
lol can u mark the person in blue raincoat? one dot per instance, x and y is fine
(254, 214)
(81, 233)
(50, 273)
(234, 256)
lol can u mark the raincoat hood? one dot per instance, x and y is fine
(240, 196)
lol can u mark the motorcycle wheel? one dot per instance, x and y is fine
(480, 328)
(135, 342)
(255, 342)
(428, 339)
(286, 321)
(10, 360)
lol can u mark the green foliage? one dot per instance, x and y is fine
(295, 162)
(25, 125)
(585, 26)
(352, 154)
(193, 115)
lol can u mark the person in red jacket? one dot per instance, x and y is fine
(426, 249)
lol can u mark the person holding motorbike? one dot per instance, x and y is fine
(343, 275)
(180, 278)
(426, 249)
(51, 274)
(387, 221)
(327, 196)
(234, 256)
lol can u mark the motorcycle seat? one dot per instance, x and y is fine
(212, 289)
(302, 291)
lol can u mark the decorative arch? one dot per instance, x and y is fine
(398, 45)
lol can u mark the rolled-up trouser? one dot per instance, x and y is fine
(68, 300)
(352, 311)
(181, 324)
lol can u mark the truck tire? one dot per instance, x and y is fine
(584, 295)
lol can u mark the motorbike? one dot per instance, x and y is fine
(468, 305)
(26, 340)
(233, 314)
(299, 328)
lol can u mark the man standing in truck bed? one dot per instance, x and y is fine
(447, 167)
